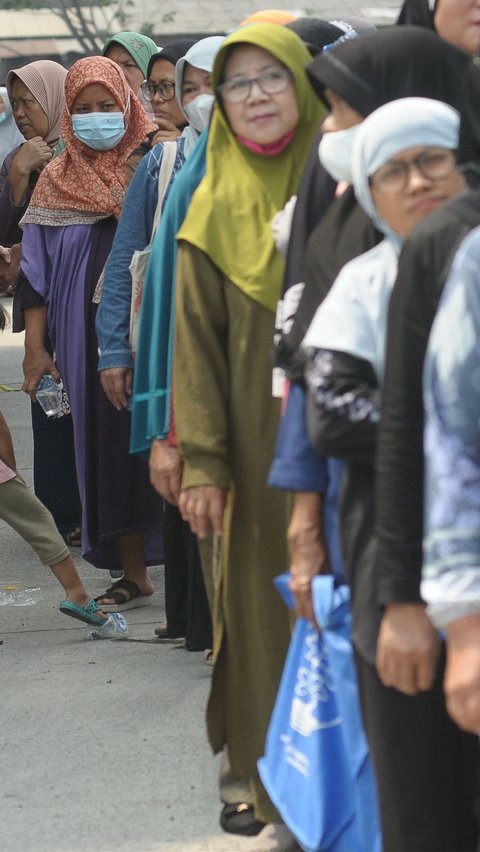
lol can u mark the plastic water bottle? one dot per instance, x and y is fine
(49, 396)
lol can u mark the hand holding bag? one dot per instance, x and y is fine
(316, 768)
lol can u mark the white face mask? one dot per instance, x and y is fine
(335, 152)
(199, 111)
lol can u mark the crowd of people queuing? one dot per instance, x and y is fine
(293, 385)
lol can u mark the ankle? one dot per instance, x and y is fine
(77, 595)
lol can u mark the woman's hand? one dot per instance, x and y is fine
(462, 675)
(202, 505)
(407, 649)
(166, 468)
(35, 364)
(9, 266)
(34, 154)
(167, 131)
(307, 552)
(117, 384)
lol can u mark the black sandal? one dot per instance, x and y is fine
(239, 818)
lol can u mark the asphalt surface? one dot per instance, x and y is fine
(103, 744)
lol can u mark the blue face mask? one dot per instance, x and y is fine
(3, 117)
(101, 131)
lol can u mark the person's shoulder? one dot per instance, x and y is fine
(447, 223)
(362, 267)
(466, 264)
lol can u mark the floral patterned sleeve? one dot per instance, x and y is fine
(343, 406)
(451, 570)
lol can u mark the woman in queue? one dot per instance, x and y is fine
(68, 233)
(134, 233)
(36, 98)
(404, 168)
(228, 282)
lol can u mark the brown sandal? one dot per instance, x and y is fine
(126, 595)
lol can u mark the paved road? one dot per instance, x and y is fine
(103, 745)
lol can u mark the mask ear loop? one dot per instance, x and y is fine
(127, 108)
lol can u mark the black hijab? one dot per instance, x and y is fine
(418, 12)
(172, 52)
(316, 189)
(315, 33)
(393, 63)
(367, 73)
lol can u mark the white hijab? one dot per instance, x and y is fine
(10, 135)
(201, 55)
(353, 317)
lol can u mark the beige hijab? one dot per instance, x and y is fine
(45, 79)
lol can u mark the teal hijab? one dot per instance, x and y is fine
(152, 376)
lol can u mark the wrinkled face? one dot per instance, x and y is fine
(458, 21)
(122, 58)
(27, 112)
(94, 98)
(341, 115)
(195, 82)
(421, 195)
(163, 71)
(262, 118)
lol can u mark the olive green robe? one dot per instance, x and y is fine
(226, 422)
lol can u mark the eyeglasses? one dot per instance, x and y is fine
(237, 89)
(166, 90)
(434, 164)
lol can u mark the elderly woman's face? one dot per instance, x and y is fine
(261, 117)
(122, 58)
(458, 21)
(27, 112)
(405, 189)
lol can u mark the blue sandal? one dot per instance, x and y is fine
(87, 614)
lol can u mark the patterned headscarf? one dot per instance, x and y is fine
(83, 186)
(45, 80)
(140, 47)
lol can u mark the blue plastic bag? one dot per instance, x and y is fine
(316, 768)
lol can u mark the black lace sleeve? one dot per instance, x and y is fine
(343, 406)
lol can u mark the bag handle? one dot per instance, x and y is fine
(164, 176)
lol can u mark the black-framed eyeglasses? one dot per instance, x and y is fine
(272, 82)
(433, 163)
(165, 89)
